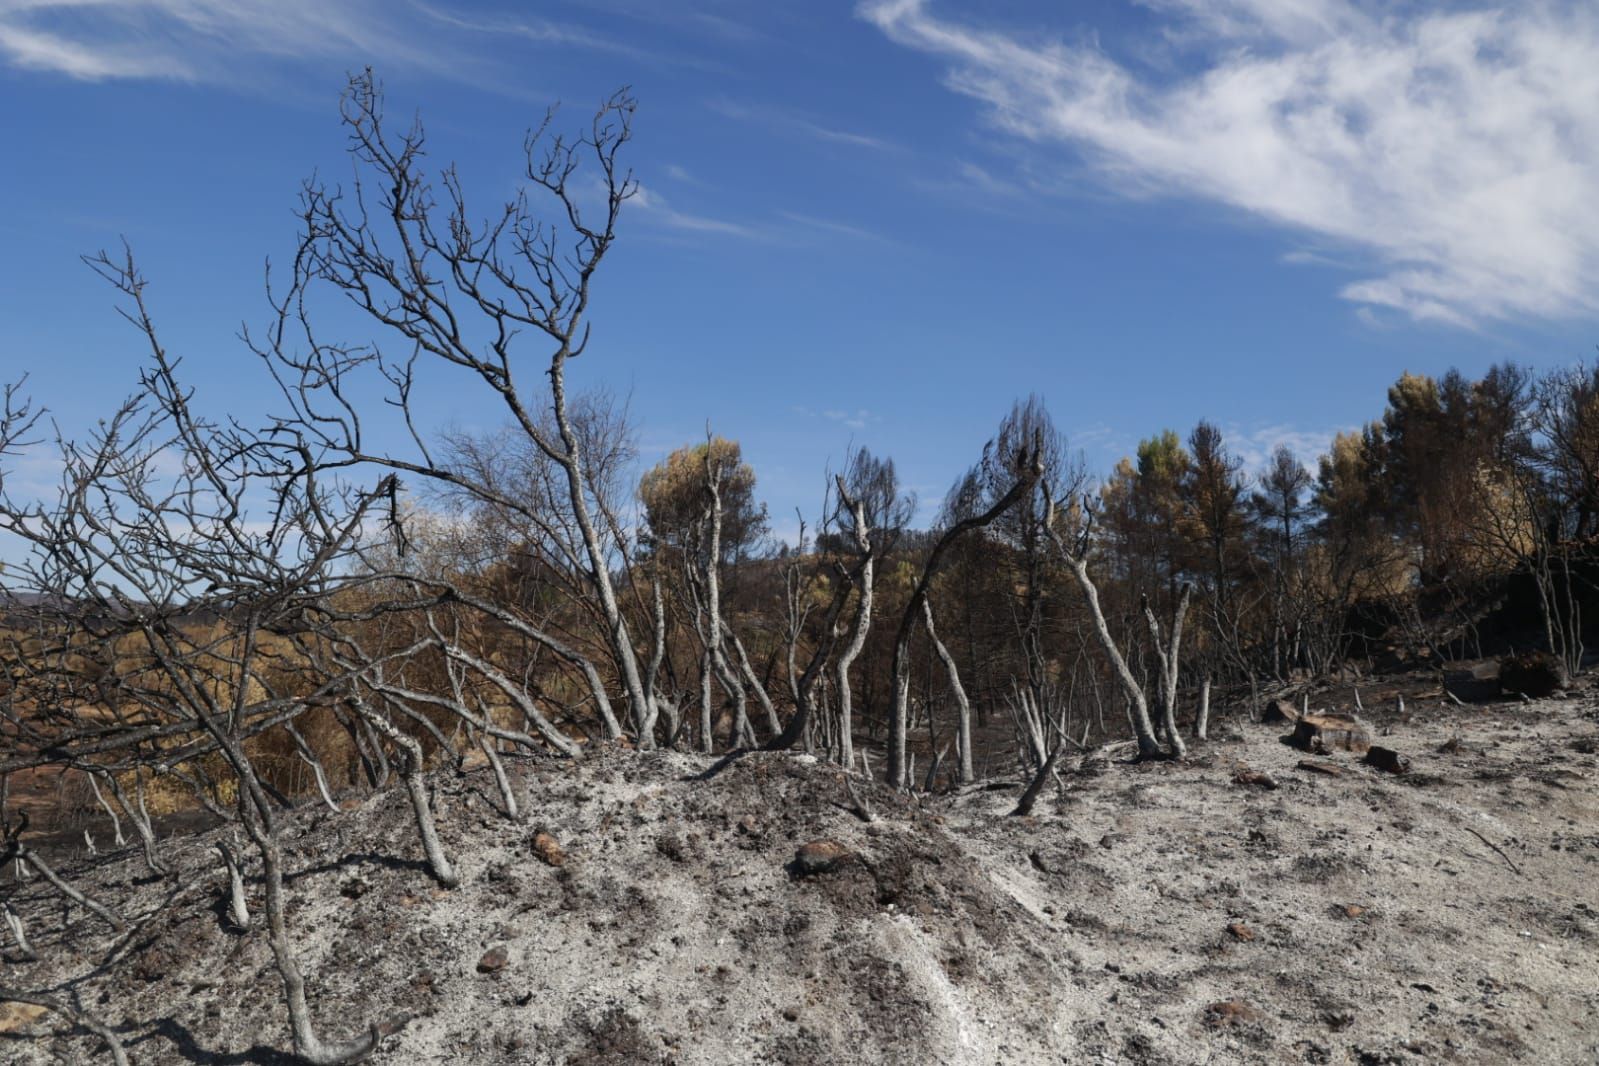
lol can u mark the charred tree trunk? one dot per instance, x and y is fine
(963, 706)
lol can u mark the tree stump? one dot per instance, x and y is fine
(1330, 732)
(1280, 711)
(1389, 760)
(1532, 673)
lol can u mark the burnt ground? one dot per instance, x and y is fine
(1151, 913)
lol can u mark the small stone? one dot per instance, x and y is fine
(1389, 760)
(494, 960)
(1230, 1012)
(1259, 778)
(549, 849)
(1338, 1017)
(1240, 931)
(820, 856)
(1352, 910)
(1326, 769)
(748, 824)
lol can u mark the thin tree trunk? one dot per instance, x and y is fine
(963, 706)
(19, 933)
(707, 723)
(1024, 806)
(1029, 467)
(754, 683)
(600, 574)
(413, 773)
(1138, 706)
(116, 823)
(507, 793)
(95, 907)
(859, 626)
(238, 909)
(1169, 664)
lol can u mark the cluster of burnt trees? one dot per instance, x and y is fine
(230, 611)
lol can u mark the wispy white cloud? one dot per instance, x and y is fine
(1098, 437)
(779, 118)
(813, 224)
(656, 208)
(696, 19)
(31, 48)
(790, 228)
(1251, 444)
(970, 175)
(212, 41)
(196, 40)
(682, 174)
(31, 474)
(1255, 446)
(857, 419)
(537, 30)
(1456, 150)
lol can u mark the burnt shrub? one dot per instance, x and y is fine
(1533, 673)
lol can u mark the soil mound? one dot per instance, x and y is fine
(677, 927)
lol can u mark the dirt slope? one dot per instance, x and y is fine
(1369, 924)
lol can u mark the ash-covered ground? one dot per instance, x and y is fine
(1146, 913)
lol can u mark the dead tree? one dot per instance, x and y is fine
(184, 588)
(1167, 655)
(963, 706)
(464, 297)
(1202, 716)
(714, 629)
(16, 848)
(160, 580)
(799, 582)
(1026, 468)
(872, 512)
(1076, 552)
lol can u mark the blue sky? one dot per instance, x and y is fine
(873, 222)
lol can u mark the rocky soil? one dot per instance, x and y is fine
(1153, 913)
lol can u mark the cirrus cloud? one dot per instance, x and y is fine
(1457, 151)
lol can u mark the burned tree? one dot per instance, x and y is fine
(185, 561)
(154, 588)
(1075, 546)
(464, 297)
(872, 512)
(966, 510)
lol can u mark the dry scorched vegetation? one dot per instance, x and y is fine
(325, 741)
